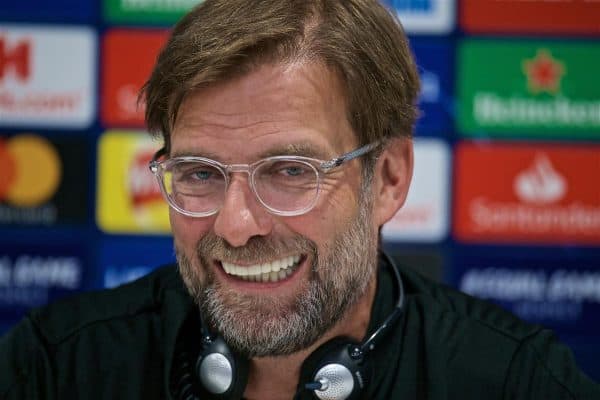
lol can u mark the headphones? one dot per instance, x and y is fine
(335, 371)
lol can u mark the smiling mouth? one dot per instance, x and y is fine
(272, 271)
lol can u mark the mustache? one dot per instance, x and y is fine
(257, 249)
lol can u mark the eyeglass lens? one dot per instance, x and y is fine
(282, 185)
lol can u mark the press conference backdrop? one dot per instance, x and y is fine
(505, 202)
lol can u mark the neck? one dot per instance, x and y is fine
(276, 378)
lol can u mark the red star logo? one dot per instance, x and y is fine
(543, 72)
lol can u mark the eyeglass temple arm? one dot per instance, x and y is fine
(153, 163)
(336, 162)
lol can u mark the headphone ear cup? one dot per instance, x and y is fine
(222, 372)
(341, 376)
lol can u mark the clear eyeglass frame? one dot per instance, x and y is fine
(321, 167)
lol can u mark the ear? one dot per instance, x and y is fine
(393, 173)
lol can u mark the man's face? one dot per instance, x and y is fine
(326, 257)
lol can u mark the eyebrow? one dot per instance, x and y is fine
(296, 149)
(293, 149)
(196, 153)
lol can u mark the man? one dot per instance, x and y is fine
(286, 128)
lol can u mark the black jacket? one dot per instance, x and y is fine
(119, 344)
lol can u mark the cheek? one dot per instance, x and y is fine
(187, 230)
(338, 206)
(322, 224)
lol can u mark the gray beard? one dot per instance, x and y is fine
(264, 326)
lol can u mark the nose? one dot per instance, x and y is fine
(241, 217)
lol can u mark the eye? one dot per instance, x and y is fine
(292, 170)
(202, 174)
(194, 174)
(288, 169)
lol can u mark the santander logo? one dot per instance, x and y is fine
(540, 183)
(547, 194)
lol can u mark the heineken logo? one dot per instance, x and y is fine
(491, 110)
(159, 5)
(540, 89)
(543, 72)
(149, 11)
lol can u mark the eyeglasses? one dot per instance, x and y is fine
(284, 185)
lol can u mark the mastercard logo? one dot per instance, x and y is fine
(30, 170)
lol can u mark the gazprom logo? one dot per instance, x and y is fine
(425, 16)
(412, 5)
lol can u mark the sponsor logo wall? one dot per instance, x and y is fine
(128, 60)
(534, 193)
(541, 89)
(39, 85)
(34, 274)
(44, 180)
(146, 11)
(435, 60)
(531, 17)
(424, 217)
(425, 16)
(43, 10)
(129, 199)
(505, 201)
(124, 259)
(555, 287)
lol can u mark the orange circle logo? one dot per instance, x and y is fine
(30, 170)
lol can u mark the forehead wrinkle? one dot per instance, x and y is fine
(245, 113)
(311, 101)
(224, 122)
(313, 107)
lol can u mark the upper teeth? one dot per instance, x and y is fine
(257, 269)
